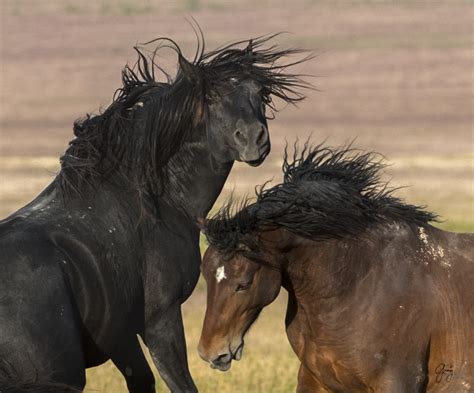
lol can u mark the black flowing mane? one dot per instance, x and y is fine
(326, 193)
(149, 120)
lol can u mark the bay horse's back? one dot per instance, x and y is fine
(39, 331)
(451, 367)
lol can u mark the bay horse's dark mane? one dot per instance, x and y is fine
(326, 193)
(149, 120)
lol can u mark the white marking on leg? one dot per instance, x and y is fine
(220, 274)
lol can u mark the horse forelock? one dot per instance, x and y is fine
(252, 59)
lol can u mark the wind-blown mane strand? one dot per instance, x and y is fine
(326, 193)
(130, 137)
(260, 64)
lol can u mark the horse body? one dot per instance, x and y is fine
(378, 314)
(111, 248)
(88, 252)
(110, 278)
(379, 300)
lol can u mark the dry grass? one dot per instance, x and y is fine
(396, 75)
(268, 364)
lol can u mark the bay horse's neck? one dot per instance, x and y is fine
(325, 269)
(196, 179)
(332, 269)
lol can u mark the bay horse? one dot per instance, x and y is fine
(379, 299)
(110, 249)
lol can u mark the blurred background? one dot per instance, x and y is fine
(395, 75)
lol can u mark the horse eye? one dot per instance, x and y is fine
(242, 287)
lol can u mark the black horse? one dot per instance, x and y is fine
(110, 249)
(11, 381)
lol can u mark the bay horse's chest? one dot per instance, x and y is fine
(325, 366)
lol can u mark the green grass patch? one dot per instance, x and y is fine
(129, 8)
(73, 8)
(456, 226)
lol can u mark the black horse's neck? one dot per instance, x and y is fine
(196, 181)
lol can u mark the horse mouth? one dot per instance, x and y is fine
(223, 363)
(221, 366)
(260, 159)
(254, 162)
(263, 152)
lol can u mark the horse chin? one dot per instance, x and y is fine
(221, 366)
(258, 161)
(263, 153)
(254, 163)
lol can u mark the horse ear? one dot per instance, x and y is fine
(187, 68)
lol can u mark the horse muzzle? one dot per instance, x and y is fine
(222, 362)
(252, 143)
(256, 158)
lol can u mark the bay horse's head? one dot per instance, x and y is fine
(238, 288)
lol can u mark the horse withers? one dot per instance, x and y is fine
(379, 299)
(110, 249)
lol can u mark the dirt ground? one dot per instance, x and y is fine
(396, 76)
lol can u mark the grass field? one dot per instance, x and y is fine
(396, 75)
(268, 364)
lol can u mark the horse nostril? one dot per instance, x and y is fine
(261, 136)
(224, 358)
(239, 136)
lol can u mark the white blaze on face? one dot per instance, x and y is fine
(220, 274)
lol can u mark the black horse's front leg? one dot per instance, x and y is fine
(128, 357)
(164, 336)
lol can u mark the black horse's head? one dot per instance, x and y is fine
(234, 87)
(237, 126)
(220, 100)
